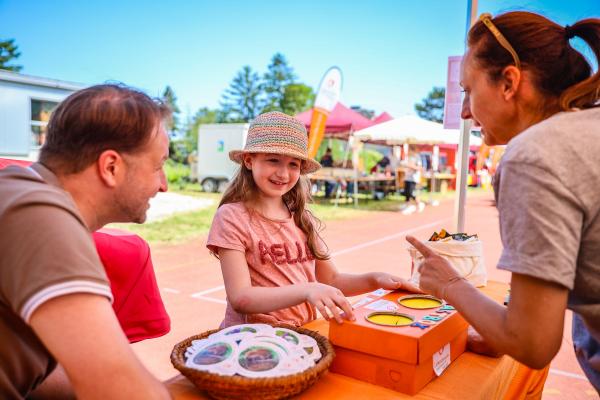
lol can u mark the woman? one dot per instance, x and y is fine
(527, 87)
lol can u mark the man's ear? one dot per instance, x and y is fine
(247, 160)
(511, 80)
(110, 166)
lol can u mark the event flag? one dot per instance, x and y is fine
(327, 97)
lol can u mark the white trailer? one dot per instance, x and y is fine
(215, 141)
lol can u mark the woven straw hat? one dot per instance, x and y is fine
(278, 133)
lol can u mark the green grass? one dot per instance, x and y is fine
(185, 226)
(175, 172)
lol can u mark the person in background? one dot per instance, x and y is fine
(102, 161)
(412, 177)
(529, 89)
(327, 162)
(276, 267)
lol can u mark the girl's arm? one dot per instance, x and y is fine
(248, 299)
(353, 284)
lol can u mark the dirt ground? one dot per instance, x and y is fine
(192, 287)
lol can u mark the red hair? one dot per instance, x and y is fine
(543, 47)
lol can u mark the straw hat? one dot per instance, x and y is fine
(278, 133)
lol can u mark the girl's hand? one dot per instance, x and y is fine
(391, 282)
(325, 297)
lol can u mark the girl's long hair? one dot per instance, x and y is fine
(243, 189)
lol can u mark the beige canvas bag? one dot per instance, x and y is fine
(465, 257)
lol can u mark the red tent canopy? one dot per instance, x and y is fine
(383, 117)
(340, 122)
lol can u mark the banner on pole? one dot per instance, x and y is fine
(327, 97)
(453, 101)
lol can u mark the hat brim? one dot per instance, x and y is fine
(308, 166)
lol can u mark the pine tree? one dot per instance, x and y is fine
(432, 107)
(8, 52)
(275, 81)
(242, 101)
(170, 100)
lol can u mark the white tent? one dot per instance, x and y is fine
(412, 130)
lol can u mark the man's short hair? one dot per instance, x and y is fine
(96, 119)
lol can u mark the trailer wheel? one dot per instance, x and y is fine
(222, 186)
(210, 185)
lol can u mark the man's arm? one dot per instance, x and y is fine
(83, 334)
(55, 386)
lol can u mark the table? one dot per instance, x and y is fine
(369, 183)
(470, 376)
(439, 182)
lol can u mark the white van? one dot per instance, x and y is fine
(214, 168)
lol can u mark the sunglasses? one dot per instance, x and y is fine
(486, 18)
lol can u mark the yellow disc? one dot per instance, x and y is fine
(389, 319)
(420, 302)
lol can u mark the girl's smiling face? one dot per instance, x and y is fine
(274, 174)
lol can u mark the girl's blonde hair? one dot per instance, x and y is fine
(244, 189)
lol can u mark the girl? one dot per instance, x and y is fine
(276, 267)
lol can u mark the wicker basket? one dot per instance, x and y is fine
(240, 387)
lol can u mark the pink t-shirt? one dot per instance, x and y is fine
(277, 255)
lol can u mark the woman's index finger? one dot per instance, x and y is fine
(420, 246)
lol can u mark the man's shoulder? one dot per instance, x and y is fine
(21, 187)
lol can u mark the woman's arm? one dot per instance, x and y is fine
(355, 284)
(248, 299)
(530, 329)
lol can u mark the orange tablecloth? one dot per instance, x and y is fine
(470, 376)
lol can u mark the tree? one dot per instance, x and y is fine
(242, 100)
(369, 114)
(171, 100)
(432, 107)
(203, 116)
(275, 81)
(8, 52)
(297, 97)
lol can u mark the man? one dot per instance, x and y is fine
(101, 163)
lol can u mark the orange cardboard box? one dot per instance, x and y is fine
(400, 358)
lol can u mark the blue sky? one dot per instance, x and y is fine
(391, 53)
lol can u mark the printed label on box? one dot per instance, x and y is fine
(441, 360)
(380, 292)
(362, 302)
(382, 305)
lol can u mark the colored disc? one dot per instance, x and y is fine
(390, 318)
(420, 302)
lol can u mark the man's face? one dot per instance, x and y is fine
(144, 177)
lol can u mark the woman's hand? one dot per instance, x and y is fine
(437, 274)
(391, 282)
(325, 297)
